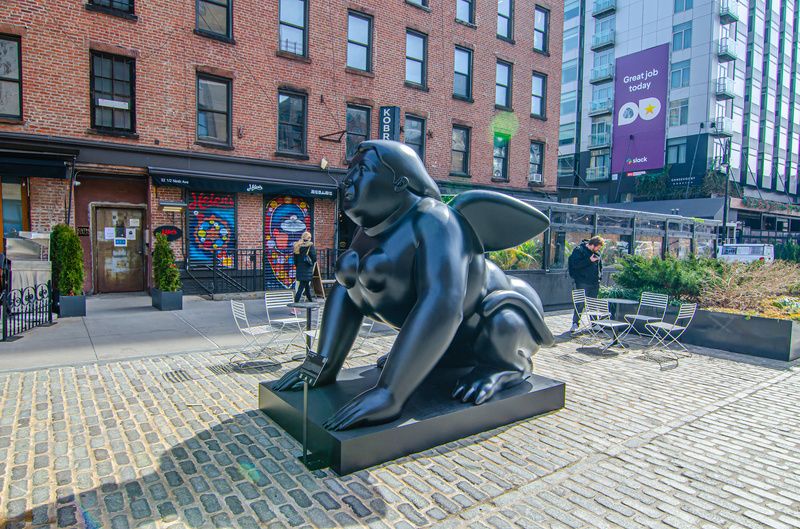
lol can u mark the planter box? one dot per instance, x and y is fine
(167, 300)
(750, 335)
(71, 306)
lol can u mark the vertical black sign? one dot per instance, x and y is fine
(390, 123)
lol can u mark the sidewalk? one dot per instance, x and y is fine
(126, 326)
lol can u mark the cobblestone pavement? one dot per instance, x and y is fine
(178, 442)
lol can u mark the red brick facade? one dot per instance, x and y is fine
(57, 37)
(59, 34)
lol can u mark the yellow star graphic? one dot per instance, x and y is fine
(649, 108)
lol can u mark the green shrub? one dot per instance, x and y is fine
(619, 292)
(165, 273)
(66, 255)
(789, 251)
(681, 279)
(526, 256)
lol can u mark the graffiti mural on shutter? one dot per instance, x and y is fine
(285, 220)
(212, 229)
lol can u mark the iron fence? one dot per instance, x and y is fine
(25, 308)
(250, 270)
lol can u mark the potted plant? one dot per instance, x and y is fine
(166, 292)
(66, 255)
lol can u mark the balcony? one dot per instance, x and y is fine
(728, 11)
(725, 88)
(602, 40)
(722, 127)
(597, 174)
(603, 7)
(600, 107)
(601, 73)
(600, 140)
(727, 50)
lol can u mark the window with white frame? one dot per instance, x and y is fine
(682, 36)
(683, 5)
(679, 74)
(678, 112)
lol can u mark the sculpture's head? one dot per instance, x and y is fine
(381, 175)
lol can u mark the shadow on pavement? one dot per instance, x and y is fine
(238, 474)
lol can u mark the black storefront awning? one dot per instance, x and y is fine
(42, 167)
(200, 181)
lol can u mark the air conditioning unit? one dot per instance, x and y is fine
(535, 178)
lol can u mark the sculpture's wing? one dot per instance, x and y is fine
(499, 221)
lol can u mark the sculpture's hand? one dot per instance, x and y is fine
(374, 406)
(290, 381)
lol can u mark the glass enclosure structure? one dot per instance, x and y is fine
(625, 232)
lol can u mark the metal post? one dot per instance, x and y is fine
(305, 422)
(214, 274)
(725, 202)
(49, 301)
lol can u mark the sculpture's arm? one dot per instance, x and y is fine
(341, 321)
(441, 278)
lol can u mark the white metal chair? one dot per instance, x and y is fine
(252, 335)
(366, 327)
(617, 329)
(596, 310)
(279, 299)
(665, 334)
(586, 315)
(652, 308)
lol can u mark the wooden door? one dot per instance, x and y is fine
(119, 249)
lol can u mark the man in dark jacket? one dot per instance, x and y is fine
(586, 269)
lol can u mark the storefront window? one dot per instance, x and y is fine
(212, 229)
(13, 221)
(285, 220)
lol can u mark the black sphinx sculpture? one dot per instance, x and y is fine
(418, 265)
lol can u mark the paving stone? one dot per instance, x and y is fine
(708, 443)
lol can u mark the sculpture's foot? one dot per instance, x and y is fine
(382, 361)
(374, 406)
(483, 382)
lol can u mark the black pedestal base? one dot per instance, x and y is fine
(429, 419)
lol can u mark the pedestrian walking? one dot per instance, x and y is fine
(304, 258)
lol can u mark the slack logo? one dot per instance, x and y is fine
(631, 161)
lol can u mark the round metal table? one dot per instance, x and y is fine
(616, 303)
(309, 306)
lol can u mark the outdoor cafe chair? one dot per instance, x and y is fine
(253, 335)
(585, 314)
(366, 327)
(617, 329)
(652, 308)
(665, 334)
(279, 299)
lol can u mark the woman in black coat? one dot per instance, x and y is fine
(304, 258)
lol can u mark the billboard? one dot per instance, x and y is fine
(640, 108)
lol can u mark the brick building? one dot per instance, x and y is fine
(232, 122)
